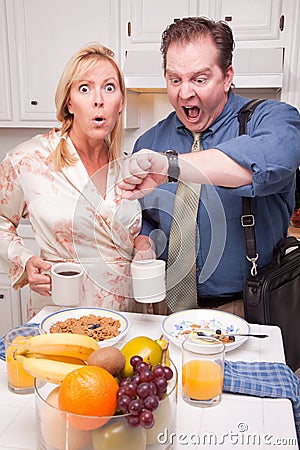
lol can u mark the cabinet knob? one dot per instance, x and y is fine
(1, 296)
(34, 102)
(228, 18)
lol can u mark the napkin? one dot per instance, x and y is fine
(264, 379)
(2, 347)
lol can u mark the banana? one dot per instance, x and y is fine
(165, 350)
(59, 344)
(46, 369)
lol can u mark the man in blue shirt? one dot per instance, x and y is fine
(197, 56)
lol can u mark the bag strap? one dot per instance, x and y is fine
(248, 219)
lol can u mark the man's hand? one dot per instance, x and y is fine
(39, 282)
(142, 173)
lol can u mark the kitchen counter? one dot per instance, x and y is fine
(238, 422)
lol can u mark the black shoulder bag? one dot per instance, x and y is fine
(272, 293)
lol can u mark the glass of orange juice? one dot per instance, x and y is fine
(19, 381)
(202, 370)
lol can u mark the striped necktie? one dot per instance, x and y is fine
(181, 265)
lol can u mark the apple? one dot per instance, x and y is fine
(118, 435)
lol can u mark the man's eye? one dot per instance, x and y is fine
(83, 88)
(110, 87)
(200, 80)
(174, 80)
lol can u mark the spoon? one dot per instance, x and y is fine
(201, 333)
(250, 335)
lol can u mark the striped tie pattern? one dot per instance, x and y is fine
(181, 264)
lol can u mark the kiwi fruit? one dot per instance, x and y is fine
(109, 358)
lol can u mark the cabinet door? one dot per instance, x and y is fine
(46, 36)
(146, 19)
(5, 93)
(10, 312)
(257, 20)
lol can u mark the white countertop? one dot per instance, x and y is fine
(241, 421)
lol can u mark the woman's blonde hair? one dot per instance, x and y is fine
(83, 60)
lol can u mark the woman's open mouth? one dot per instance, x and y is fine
(98, 120)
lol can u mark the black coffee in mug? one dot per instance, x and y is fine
(68, 273)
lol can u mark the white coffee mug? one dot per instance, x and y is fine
(149, 280)
(66, 280)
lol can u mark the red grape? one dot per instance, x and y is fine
(158, 371)
(146, 375)
(139, 395)
(133, 421)
(146, 419)
(123, 403)
(168, 373)
(143, 390)
(134, 360)
(151, 402)
(130, 389)
(136, 406)
(141, 366)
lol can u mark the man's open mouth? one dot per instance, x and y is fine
(191, 111)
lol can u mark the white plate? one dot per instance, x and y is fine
(176, 326)
(76, 313)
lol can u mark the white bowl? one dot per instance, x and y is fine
(77, 313)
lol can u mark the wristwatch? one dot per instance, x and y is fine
(173, 170)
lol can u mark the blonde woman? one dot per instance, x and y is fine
(65, 183)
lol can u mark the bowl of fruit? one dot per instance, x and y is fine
(91, 398)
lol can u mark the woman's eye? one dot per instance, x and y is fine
(83, 88)
(110, 88)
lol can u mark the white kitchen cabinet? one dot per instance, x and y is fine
(10, 312)
(42, 36)
(14, 305)
(259, 20)
(143, 21)
(25, 231)
(262, 31)
(5, 92)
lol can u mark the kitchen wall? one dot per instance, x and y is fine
(153, 107)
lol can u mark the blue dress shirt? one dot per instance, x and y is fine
(271, 149)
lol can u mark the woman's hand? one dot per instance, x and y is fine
(143, 248)
(38, 281)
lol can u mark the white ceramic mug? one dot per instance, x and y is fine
(66, 280)
(149, 280)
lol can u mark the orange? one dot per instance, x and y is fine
(88, 391)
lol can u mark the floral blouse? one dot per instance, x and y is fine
(71, 221)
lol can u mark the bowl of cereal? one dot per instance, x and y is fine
(104, 325)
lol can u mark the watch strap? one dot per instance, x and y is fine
(173, 170)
